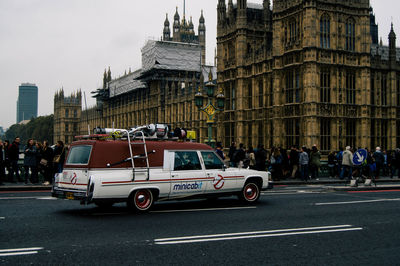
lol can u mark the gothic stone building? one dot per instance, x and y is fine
(67, 116)
(307, 72)
(162, 91)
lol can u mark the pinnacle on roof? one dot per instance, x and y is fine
(176, 17)
(201, 20)
(166, 22)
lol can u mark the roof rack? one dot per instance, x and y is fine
(148, 132)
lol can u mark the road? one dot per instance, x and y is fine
(289, 226)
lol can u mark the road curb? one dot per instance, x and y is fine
(365, 188)
(25, 188)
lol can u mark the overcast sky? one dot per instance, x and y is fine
(69, 43)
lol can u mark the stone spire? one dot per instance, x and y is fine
(166, 31)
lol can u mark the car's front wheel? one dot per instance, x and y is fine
(250, 192)
(141, 200)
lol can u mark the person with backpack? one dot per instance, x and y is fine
(379, 161)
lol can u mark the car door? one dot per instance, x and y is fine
(187, 175)
(219, 180)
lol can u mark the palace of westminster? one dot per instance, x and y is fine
(298, 72)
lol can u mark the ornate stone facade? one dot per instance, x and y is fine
(67, 116)
(306, 72)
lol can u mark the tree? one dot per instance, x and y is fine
(39, 129)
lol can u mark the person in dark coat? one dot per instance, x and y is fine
(46, 163)
(232, 150)
(13, 153)
(59, 157)
(7, 164)
(379, 161)
(294, 161)
(30, 152)
(2, 163)
(261, 157)
(219, 150)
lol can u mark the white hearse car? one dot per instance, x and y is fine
(104, 169)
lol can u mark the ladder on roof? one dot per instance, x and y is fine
(142, 156)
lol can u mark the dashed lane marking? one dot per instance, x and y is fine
(355, 202)
(209, 209)
(22, 198)
(19, 251)
(257, 234)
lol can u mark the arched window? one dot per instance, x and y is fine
(350, 35)
(325, 31)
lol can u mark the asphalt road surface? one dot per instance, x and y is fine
(289, 226)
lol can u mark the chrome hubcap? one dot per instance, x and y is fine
(141, 198)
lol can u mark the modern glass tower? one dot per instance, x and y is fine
(27, 104)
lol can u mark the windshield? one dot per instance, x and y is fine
(79, 155)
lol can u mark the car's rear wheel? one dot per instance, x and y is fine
(141, 200)
(250, 192)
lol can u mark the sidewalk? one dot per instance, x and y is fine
(383, 183)
(335, 184)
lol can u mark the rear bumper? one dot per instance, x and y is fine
(71, 194)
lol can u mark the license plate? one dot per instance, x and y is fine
(69, 195)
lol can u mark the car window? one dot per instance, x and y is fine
(186, 160)
(212, 160)
(79, 154)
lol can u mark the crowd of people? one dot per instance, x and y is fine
(305, 164)
(37, 158)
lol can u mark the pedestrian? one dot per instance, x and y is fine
(7, 164)
(251, 158)
(30, 152)
(261, 157)
(396, 163)
(379, 161)
(46, 163)
(332, 164)
(59, 157)
(39, 149)
(2, 163)
(339, 159)
(276, 164)
(347, 164)
(315, 162)
(294, 160)
(231, 153)
(219, 150)
(285, 163)
(240, 155)
(303, 163)
(13, 153)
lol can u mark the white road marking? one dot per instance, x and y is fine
(19, 251)
(46, 198)
(354, 202)
(19, 198)
(257, 234)
(2, 218)
(210, 209)
(10, 198)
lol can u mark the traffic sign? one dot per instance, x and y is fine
(360, 156)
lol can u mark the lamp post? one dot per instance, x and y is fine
(210, 110)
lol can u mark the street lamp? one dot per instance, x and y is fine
(210, 110)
